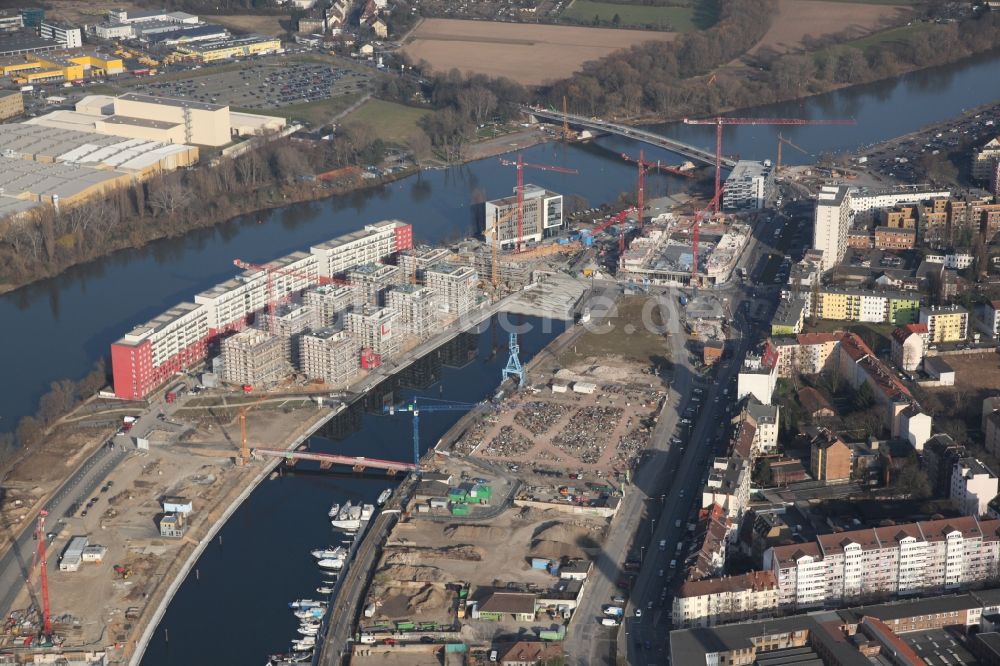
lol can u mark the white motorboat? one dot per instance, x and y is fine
(304, 644)
(306, 603)
(334, 510)
(309, 629)
(384, 497)
(329, 553)
(349, 518)
(333, 564)
(310, 613)
(323, 589)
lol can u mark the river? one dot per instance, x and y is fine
(57, 328)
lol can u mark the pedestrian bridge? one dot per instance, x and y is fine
(328, 460)
(691, 152)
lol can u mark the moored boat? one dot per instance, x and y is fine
(384, 497)
(334, 564)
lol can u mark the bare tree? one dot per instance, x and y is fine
(478, 102)
(168, 197)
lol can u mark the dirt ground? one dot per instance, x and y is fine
(797, 19)
(974, 374)
(529, 54)
(78, 13)
(422, 557)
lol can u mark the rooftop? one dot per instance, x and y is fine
(138, 122)
(170, 101)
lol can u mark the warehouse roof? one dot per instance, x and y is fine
(44, 179)
(171, 101)
(138, 122)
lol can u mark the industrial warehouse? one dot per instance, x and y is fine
(328, 331)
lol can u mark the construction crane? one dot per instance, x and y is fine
(720, 121)
(521, 165)
(565, 126)
(616, 219)
(43, 576)
(272, 299)
(695, 232)
(781, 140)
(513, 367)
(244, 448)
(418, 405)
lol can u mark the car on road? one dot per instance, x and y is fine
(686, 421)
(618, 600)
(638, 612)
(661, 573)
(646, 644)
(83, 513)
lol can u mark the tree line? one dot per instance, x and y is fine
(45, 241)
(667, 80)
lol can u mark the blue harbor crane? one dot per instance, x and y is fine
(418, 405)
(514, 367)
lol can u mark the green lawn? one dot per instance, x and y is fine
(316, 113)
(393, 123)
(894, 35)
(675, 19)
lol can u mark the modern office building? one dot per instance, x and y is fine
(832, 220)
(67, 36)
(235, 47)
(749, 185)
(542, 217)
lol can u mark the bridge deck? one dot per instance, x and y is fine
(679, 147)
(334, 459)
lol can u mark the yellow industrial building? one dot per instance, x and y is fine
(11, 104)
(54, 67)
(238, 47)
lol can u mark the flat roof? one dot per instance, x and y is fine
(138, 122)
(171, 101)
(21, 42)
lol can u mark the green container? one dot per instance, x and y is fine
(455, 647)
(460, 510)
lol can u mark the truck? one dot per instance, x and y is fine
(614, 611)
(127, 423)
(610, 622)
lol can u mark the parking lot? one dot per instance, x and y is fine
(264, 85)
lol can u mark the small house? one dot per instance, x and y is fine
(521, 605)
(575, 570)
(172, 526)
(586, 388)
(94, 553)
(938, 369)
(176, 504)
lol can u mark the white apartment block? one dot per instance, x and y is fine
(916, 558)
(230, 303)
(374, 328)
(973, 485)
(69, 37)
(748, 185)
(728, 486)
(831, 222)
(369, 245)
(765, 419)
(417, 308)
(415, 262)
(329, 354)
(455, 287)
(909, 345)
(706, 603)
(945, 323)
(989, 322)
(758, 376)
(864, 203)
(287, 323)
(957, 260)
(806, 353)
(329, 303)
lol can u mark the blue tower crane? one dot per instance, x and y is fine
(514, 367)
(425, 406)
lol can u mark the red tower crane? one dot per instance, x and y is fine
(43, 575)
(272, 301)
(719, 122)
(617, 219)
(521, 166)
(695, 233)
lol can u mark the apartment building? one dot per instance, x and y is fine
(806, 353)
(414, 263)
(706, 603)
(455, 287)
(790, 315)
(945, 323)
(541, 217)
(989, 320)
(253, 357)
(928, 557)
(865, 204)
(150, 354)
(765, 419)
(329, 354)
(728, 486)
(973, 486)
(748, 186)
(889, 238)
(832, 220)
(758, 375)
(330, 303)
(287, 323)
(375, 329)
(830, 459)
(371, 244)
(417, 307)
(992, 431)
(909, 344)
(373, 281)
(866, 305)
(983, 159)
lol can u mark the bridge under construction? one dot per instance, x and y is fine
(327, 460)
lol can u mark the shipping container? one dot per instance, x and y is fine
(460, 510)
(405, 625)
(539, 563)
(455, 647)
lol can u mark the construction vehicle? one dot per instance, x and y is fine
(122, 572)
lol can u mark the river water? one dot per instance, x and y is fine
(57, 328)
